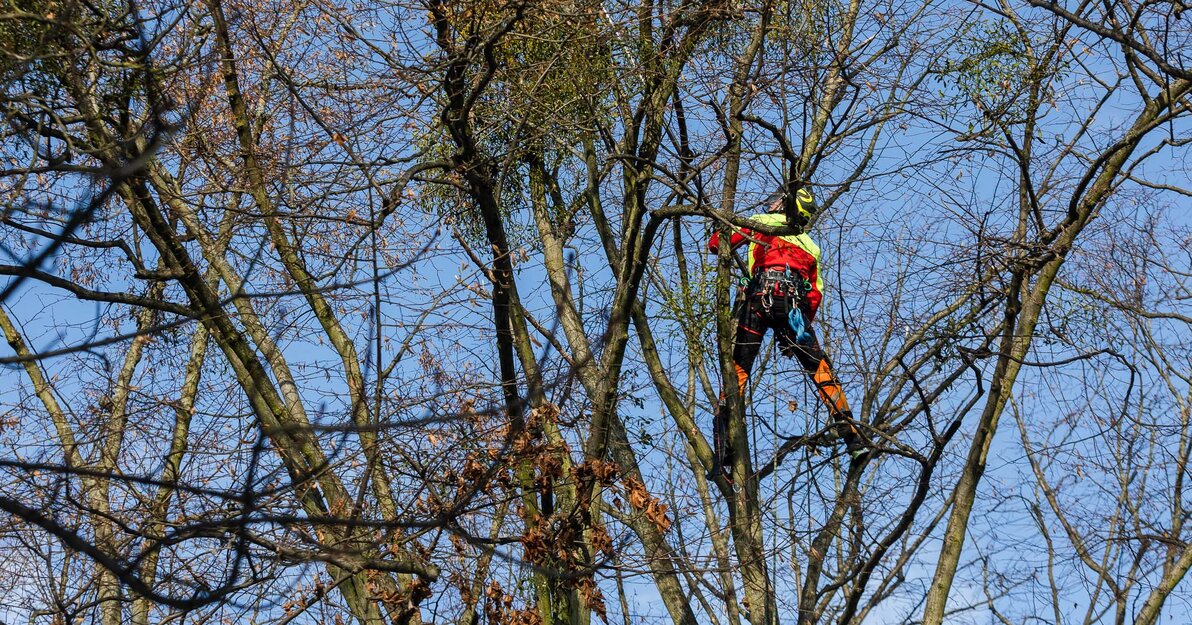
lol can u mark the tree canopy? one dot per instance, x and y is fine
(403, 311)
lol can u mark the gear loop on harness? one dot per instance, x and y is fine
(773, 285)
(782, 283)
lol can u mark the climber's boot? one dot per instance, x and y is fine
(722, 451)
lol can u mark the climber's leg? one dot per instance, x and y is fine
(829, 389)
(751, 328)
(813, 359)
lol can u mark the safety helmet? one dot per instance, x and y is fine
(804, 204)
(800, 206)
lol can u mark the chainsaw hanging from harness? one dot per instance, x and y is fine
(783, 292)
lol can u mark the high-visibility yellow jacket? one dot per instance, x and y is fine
(798, 252)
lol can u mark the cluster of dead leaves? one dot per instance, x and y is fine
(595, 471)
(548, 466)
(551, 542)
(557, 544)
(498, 608)
(642, 501)
(593, 598)
(531, 447)
(462, 583)
(600, 540)
(607, 474)
(404, 600)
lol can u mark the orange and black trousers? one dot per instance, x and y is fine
(760, 309)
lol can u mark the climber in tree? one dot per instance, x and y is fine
(783, 293)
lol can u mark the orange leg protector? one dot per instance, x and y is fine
(829, 389)
(742, 379)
